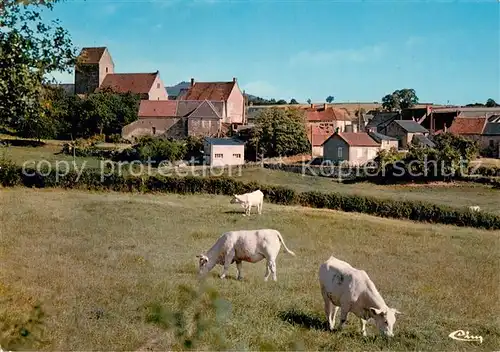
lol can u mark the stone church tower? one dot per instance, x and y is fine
(93, 64)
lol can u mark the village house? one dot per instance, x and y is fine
(95, 70)
(491, 134)
(405, 130)
(223, 151)
(177, 119)
(384, 141)
(148, 86)
(317, 137)
(156, 118)
(484, 130)
(228, 93)
(328, 120)
(353, 148)
(442, 117)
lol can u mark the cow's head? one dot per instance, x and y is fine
(236, 199)
(202, 266)
(384, 319)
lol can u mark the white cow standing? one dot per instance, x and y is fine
(244, 246)
(248, 200)
(352, 290)
(474, 208)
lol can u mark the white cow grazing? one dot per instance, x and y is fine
(474, 208)
(248, 200)
(243, 246)
(352, 290)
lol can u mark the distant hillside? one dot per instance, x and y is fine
(174, 90)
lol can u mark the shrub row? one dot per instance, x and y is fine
(12, 175)
(487, 171)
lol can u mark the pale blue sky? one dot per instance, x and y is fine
(353, 50)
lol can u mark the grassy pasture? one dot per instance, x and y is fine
(95, 261)
(459, 194)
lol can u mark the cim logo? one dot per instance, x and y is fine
(461, 335)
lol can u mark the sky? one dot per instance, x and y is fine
(356, 51)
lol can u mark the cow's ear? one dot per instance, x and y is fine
(198, 256)
(375, 311)
(398, 312)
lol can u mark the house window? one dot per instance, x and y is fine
(360, 152)
(154, 130)
(158, 85)
(106, 70)
(492, 143)
(219, 155)
(339, 152)
(238, 156)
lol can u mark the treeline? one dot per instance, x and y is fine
(262, 101)
(146, 149)
(451, 155)
(66, 117)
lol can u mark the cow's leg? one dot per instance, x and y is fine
(239, 265)
(363, 326)
(272, 266)
(268, 270)
(330, 312)
(228, 259)
(259, 208)
(344, 310)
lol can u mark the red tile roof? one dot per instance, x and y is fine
(318, 139)
(467, 125)
(209, 91)
(330, 114)
(91, 55)
(139, 83)
(157, 108)
(359, 139)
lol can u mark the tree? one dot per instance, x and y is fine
(330, 99)
(360, 111)
(490, 103)
(400, 99)
(280, 132)
(309, 101)
(29, 49)
(281, 102)
(293, 101)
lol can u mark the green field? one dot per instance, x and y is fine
(459, 194)
(97, 261)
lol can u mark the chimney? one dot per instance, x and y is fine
(325, 105)
(312, 106)
(234, 79)
(192, 82)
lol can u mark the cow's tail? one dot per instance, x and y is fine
(284, 245)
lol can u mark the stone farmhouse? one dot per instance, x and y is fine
(95, 70)
(205, 109)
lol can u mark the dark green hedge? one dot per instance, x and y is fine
(11, 175)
